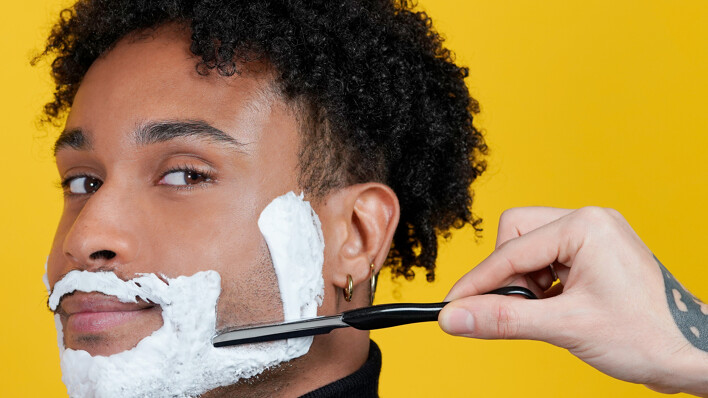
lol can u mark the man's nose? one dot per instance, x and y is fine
(104, 234)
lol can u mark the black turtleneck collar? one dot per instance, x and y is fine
(364, 383)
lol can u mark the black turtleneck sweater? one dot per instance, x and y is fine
(364, 383)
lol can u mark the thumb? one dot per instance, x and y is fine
(499, 317)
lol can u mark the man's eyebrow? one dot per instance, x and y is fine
(162, 131)
(73, 138)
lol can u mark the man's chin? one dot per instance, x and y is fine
(110, 333)
(265, 384)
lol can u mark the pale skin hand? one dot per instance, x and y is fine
(611, 308)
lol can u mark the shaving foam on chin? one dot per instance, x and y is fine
(179, 360)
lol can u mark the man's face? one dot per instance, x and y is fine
(166, 172)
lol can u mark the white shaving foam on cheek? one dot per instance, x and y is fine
(293, 233)
(179, 360)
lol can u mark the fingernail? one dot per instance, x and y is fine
(457, 321)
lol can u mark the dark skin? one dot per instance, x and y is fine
(145, 198)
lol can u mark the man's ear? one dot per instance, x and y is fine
(361, 221)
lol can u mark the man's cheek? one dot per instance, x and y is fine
(285, 282)
(250, 297)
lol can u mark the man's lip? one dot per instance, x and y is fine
(80, 302)
(89, 313)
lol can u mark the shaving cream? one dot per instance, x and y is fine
(293, 233)
(179, 360)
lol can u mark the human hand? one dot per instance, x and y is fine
(611, 308)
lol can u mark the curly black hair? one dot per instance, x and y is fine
(384, 100)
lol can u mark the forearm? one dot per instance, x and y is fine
(689, 372)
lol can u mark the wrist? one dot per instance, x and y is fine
(689, 372)
(699, 374)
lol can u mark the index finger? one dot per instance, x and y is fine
(522, 220)
(522, 255)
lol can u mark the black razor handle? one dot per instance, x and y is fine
(388, 315)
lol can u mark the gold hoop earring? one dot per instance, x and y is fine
(348, 291)
(373, 282)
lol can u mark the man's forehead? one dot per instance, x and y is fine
(158, 47)
(163, 54)
(155, 79)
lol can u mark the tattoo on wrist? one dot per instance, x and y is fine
(690, 313)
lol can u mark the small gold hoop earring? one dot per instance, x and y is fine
(373, 282)
(348, 290)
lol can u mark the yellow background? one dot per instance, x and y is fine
(583, 103)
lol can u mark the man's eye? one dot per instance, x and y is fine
(83, 185)
(183, 177)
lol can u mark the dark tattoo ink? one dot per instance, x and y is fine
(690, 313)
